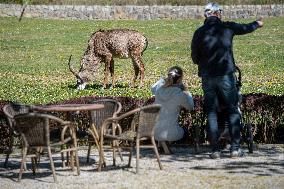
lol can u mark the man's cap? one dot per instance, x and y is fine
(211, 8)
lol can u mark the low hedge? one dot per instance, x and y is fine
(264, 112)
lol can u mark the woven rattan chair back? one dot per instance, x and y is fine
(10, 111)
(111, 109)
(147, 119)
(34, 129)
(144, 120)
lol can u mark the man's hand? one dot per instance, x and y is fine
(260, 21)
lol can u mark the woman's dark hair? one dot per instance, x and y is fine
(174, 74)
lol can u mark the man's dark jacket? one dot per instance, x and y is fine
(212, 48)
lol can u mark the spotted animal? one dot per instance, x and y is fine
(104, 46)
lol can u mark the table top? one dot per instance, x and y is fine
(68, 107)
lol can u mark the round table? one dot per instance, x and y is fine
(68, 107)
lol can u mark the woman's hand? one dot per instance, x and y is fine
(185, 86)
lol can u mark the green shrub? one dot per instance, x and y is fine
(264, 112)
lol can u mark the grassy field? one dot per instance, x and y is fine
(34, 55)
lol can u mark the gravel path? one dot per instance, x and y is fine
(184, 169)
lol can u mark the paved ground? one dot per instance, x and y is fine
(184, 169)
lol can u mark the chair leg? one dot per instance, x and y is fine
(33, 164)
(10, 151)
(6, 160)
(76, 153)
(156, 152)
(25, 165)
(130, 154)
(62, 158)
(51, 163)
(119, 150)
(89, 152)
(39, 155)
(137, 155)
(101, 160)
(113, 153)
(67, 157)
(99, 146)
(24, 151)
(72, 160)
(120, 154)
(77, 162)
(37, 161)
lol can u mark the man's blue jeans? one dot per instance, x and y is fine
(221, 92)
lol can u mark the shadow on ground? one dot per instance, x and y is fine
(265, 161)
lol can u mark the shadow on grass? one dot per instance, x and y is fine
(97, 86)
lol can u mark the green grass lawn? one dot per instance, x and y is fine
(34, 55)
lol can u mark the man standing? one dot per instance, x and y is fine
(211, 50)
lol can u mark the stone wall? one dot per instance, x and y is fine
(136, 12)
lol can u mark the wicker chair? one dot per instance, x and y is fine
(34, 129)
(11, 110)
(111, 109)
(142, 128)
